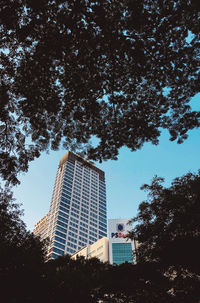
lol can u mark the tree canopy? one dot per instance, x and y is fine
(116, 71)
(168, 233)
(21, 254)
(15, 240)
(167, 223)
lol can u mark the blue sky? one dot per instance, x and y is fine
(123, 177)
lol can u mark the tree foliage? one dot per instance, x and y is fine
(118, 71)
(167, 230)
(13, 233)
(21, 254)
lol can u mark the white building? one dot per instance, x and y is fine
(115, 250)
(120, 248)
(99, 249)
(77, 215)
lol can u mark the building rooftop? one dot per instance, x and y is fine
(70, 156)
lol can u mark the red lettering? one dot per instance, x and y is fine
(120, 235)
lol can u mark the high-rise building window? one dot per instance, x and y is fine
(78, 206)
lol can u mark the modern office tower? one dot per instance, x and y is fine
(77, 213)
(41, 227)
(99, 249)
(120, 248)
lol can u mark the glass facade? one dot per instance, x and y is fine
(122, 252)
(77, 213)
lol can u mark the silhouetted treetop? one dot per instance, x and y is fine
(119, 71)
(167, 224)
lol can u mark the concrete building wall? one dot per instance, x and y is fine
(83, 252)
(41, 227)
(99, 249)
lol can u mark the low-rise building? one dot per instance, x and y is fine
(41, 227)
(121, 249)
(99, 249)
(116, 249)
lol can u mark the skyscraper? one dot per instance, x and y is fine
(77, 214)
